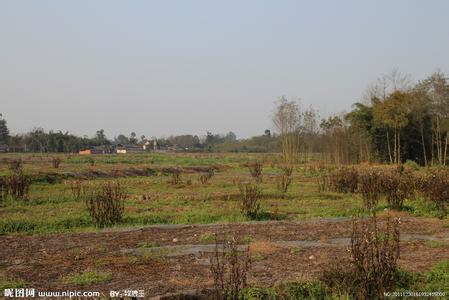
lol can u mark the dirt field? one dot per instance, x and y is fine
(167, 234)
(148, 258)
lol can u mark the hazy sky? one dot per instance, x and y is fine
(174, 67)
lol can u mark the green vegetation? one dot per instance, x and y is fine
(436, 279)
(53, 207)
(87, 278)
(8, 283)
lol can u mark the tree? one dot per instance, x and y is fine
(360, 119)
(287, 121)
(230, 137)
(100, 138)
(436, 89)
(392, 114)
(122, 139)
(267, 133)
(4, 131)
(133, 138)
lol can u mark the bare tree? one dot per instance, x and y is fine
(287, 121)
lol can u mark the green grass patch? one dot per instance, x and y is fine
(87, 278)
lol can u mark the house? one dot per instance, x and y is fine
(92, 151)
(4, 148)
(125, 149)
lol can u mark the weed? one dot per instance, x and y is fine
(147, 245)
(257, 257)
(296, 250)
(438, 244)
(206, 237)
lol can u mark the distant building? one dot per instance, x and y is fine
(93, 151)
(4, 148)
(126, 149)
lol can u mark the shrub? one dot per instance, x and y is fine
(229, 268)
(56, 161)
(107, 204)
(250, 199)
(3, 189)
(15, 165)
(204, 178)
(434, 186)
(411, 165)
(284, 180)
(18, 184)
(255, 169)
(397, 186)
(77, 188)
(175, 175)
(369, 185)
(372, 269)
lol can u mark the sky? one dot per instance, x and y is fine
(176, 67)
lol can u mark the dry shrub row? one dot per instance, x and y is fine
(395, 184)
(229, 268)
(343, 180)
(434, 185)
(107, 204)
(372, 267)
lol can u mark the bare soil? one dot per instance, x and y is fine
(42, 261)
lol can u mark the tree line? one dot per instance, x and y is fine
(395, 121)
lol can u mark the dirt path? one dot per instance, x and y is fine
(167, 259)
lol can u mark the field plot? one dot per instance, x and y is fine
(175, 212)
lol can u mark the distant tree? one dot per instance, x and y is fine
(4, 131)
(267, 132)
(436, 89)
(393, 115)
(37, 140)
(133, 138)
(230, 136)
(360, 120)
(287, 120)
(100, 138)
(122, 139)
